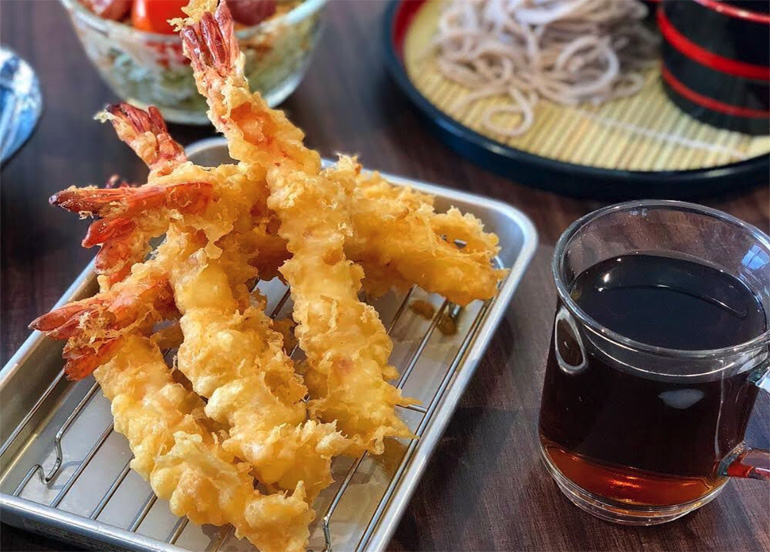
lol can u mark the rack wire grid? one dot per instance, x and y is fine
(80, 465)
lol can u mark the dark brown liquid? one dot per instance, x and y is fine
(641, 438)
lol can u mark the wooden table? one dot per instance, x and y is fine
(485, 488)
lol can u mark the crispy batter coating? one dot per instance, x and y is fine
(181, 459)
(144, 296)
(235, 359)
(344, 340)
(210, 256)
(396, 236)
(400, 240)
(263, 411)
(123, 237)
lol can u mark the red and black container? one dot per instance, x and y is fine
(716, 61)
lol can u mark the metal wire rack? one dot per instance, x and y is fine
(424, 412)
(56, 480)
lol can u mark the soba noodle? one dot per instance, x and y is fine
(566, 51)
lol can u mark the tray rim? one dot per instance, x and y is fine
(567, 178)
(378, 537)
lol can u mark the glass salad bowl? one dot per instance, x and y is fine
(146, 68)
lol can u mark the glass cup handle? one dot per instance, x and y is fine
(567, 343)
(745, 461)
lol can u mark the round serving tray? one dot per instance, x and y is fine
(636, 147)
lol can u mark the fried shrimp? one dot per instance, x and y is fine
(182, 460)
(400, 240)
(346, 344)
(344, 340)
(237, 195)
(258, 400)
(262, 409)
(178, 191)
(235, 412)
(234, 358)
(396, 235)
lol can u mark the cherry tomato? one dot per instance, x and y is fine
(251, 12)
(153, 15)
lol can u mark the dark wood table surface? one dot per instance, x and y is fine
(485, 488)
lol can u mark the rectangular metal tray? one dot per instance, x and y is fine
(64, 471)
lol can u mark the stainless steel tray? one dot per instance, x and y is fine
(64, 471)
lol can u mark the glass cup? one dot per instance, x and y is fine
(640, 434)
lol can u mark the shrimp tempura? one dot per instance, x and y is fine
(130, 217)
(235, 359)
(250, 417)
(344, 340)
(182, 460)
(229, 352)
(264, 417)
(400, 240)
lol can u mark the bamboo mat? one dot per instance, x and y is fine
(635, 133)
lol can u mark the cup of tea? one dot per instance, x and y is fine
(659, 348)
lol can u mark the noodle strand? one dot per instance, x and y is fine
(566, 51)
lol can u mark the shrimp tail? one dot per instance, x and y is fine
(81, 361)
(146, 133)
(253, 129)
(213, 50)
(64, 322)
(122, 232)
(211, 43)
(93, 326)
(106, 230)
(186, 197)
